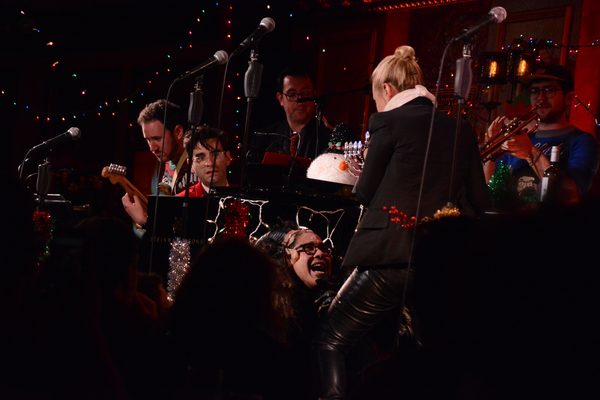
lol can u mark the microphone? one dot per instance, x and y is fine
(73, 134)
(219, 58)
(495, 16)
(266, 26)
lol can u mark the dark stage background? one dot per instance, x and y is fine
(95, 64)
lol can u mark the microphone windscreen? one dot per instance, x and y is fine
(75, 133)
(268, 23)
(221, 57)
(499, 14)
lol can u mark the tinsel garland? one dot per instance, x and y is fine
(447, 211)
(503, 197)
(179, 262)
(406, 222)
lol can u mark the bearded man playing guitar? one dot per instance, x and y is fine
(169, 151)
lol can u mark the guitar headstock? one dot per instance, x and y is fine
(114, 172)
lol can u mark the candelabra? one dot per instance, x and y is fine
(354, 155)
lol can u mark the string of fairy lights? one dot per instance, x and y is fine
(109, 107)
(536, 44)
(103, 107)
(94, 106)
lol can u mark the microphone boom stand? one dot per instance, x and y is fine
(319, 113)
(251, 89)
(462, 87)
(43, 181)
(195, 110)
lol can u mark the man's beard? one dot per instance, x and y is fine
(173, 153)
(552, 117)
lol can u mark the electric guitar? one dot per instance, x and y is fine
(116, 174)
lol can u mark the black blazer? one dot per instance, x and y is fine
(392, 177)
(275, 138)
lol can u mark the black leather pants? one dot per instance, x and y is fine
(363, 301)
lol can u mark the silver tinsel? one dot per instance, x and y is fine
(179, 262)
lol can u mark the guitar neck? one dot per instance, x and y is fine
(131, 190)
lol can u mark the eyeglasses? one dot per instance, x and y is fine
(549, 92)
(293, 96)
(311, 248)
(212, 155)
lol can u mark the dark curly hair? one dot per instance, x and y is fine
(293, 292)
(202, 135)
(228, 288)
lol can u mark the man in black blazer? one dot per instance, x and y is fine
(296, 135)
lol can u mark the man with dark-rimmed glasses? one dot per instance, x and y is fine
(529, 155)
(296, 134)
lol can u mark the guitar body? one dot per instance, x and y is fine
(164, 189)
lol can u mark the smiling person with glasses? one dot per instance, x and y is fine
(210, 158)
(529, 155)
(308, 256)
(296, 135)
(301, 253)
(304, 265)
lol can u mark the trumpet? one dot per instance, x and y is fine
(492, 150)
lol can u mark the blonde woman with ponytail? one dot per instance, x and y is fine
(397, 80)
(393, 175)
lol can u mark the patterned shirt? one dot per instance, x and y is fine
(180, 184)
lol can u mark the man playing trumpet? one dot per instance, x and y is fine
(529, 155)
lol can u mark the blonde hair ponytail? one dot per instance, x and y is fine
(400, 70)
